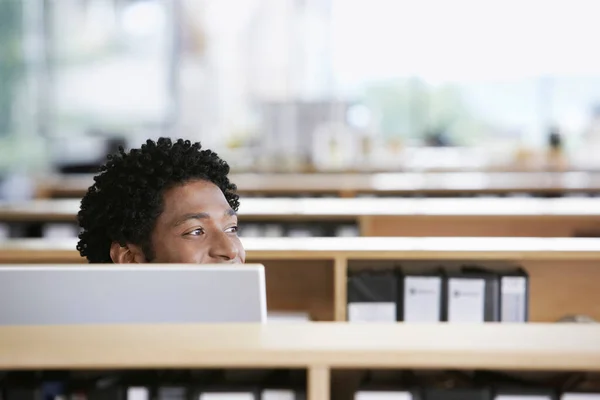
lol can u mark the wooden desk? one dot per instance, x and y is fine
(500, 217)
(310, 274)
(352, 184)
(318, 348)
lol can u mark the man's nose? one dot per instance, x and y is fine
(222, 248)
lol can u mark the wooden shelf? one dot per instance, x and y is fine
(265, 209)
(407, 248)
(350, 184)
(448, 217)
(332, 345)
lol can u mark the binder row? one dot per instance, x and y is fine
(478, 385)
(195, 385)
(470, 294)
(471, 394)
(66, 230)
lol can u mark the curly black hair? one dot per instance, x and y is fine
(127, 196)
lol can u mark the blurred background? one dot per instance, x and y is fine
(302, 85)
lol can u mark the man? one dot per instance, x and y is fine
(167, 202)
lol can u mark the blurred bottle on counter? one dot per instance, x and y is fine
(556, 159)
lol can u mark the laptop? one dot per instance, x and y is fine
(132, 294)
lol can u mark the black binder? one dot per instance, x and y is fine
(96, 387)
(473, 295)
(22, 385)
(22, 393)
(421, 297)
(458, 394)
(52, 389)
(373, 295)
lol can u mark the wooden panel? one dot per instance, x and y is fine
(340, 287)
(318, 383)
(559, 288)
(298, 285)
(335, 345)
(494, 226)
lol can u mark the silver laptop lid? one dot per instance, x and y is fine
(131, 294)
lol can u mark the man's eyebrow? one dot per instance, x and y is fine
(187, 217)
(229, 213)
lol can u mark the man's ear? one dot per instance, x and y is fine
(128, 254)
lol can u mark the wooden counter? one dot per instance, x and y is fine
(352, 184)
(509, 217)
(485, 346)
(309, 274)
(318, 348)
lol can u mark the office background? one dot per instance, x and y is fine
(302, 85)
(399, 162)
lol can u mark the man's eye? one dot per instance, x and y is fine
(233, 229)
(196, 232)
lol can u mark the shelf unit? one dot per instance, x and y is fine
(309, 274)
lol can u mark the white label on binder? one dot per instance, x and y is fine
(227, 396)
(279, 394)
(382, 395)
(521, 397)
(466, 300)
(137, 393)
(580, 396)
(372, 312)
(513, 298)
(422, 299)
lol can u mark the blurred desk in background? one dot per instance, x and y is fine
(444, 184)
(508, 217)
(310, 274)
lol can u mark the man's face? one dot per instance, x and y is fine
(197, 226)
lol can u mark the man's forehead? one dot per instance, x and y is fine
(195, 198)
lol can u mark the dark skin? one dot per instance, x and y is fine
(197, 226)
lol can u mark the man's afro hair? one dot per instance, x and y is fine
(127, 197)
